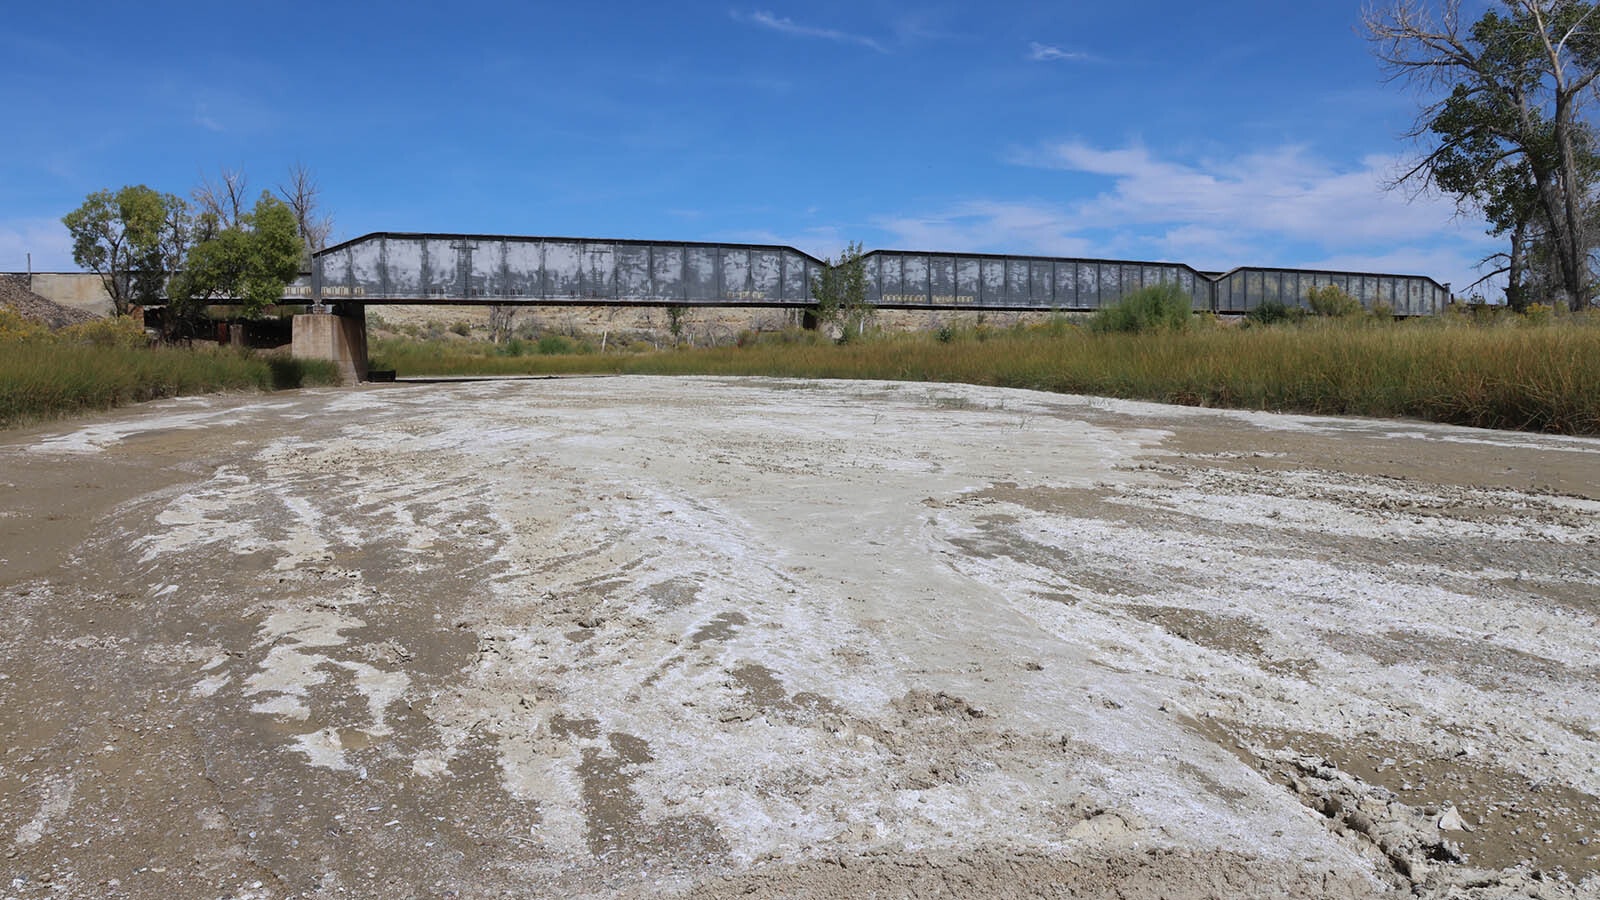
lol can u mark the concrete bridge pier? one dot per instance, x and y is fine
(340, 337)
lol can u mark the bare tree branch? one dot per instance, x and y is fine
(301, 192)
(220, 204)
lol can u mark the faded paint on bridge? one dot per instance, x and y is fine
(394, 268)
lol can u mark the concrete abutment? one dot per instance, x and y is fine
(340, 338)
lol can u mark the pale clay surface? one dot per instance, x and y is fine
(633, 637)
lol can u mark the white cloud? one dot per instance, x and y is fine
(46, 239)
(1274, 206)
(984, 225)
(1038, 52)
(1280, 190)
(786, 25)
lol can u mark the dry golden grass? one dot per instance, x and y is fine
(1509, 375)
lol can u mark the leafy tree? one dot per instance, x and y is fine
(1509, 132)
(251, 261)
(840, 290)
(132, 239)
(676, 313)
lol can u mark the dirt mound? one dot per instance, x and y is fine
(14, 293)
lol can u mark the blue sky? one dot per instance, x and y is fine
(1241, 132)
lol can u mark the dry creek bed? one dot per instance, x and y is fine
(627, 637)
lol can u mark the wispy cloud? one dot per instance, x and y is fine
(981, 225)
(46, 239)
(786, 25)
(203, 118)
(1280, 190)
(1276, 206)
(1038, 52)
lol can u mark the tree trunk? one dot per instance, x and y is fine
(1515, 297)
(1574, 243)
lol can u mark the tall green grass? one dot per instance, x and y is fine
(45, 379)
(1524, 377)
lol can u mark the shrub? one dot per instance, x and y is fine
(1161, 307)
(1273, 312)
(461, 328)
(1538, 313)
(555, 345)
(1382, 311)
(14, 329)
(1331, 300)
(115, 331)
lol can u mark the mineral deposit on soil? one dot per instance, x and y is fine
(630, 637)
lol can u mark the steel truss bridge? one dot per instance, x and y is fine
(402, 268)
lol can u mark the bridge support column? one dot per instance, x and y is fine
(338, 337)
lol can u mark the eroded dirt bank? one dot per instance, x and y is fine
(639, 637)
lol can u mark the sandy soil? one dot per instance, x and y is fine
(652, 637)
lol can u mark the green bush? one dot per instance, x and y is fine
(555, 345)
(1161, 307)
(1331, 300)
(1273, 312)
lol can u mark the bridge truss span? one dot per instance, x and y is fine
(402, 268)
(494, 269)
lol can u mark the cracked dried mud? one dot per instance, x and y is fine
(632, 637)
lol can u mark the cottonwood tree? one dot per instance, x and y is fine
(132, 239)
(1509, 132)
(250, 261)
